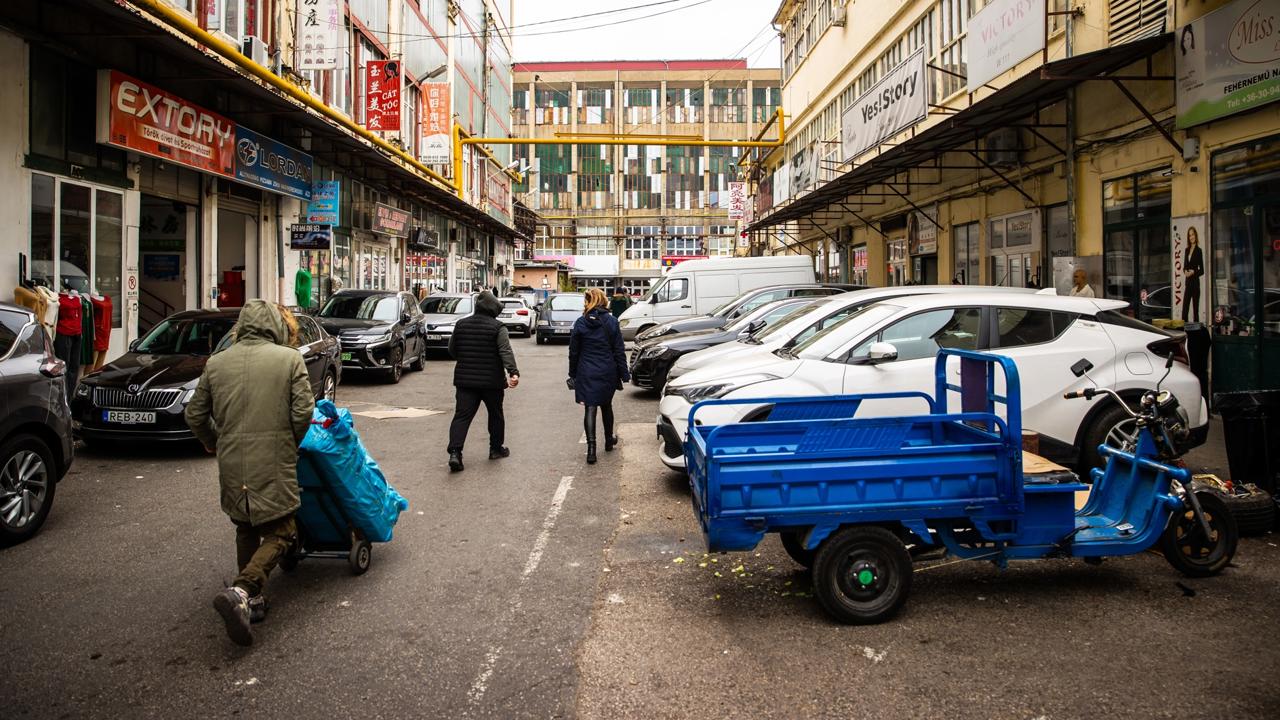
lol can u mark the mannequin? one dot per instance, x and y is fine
(101, 329)
(26, 294)
(52, 308)
(66, 344)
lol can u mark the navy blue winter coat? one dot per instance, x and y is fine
(597, 360)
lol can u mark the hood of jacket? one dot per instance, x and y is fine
(487, 304)
(261, 322)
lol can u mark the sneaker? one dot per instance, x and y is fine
(455, 462)
(233, 605)
(257, 609)
(498, 453)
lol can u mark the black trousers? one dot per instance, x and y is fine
(468, 402)
(1191, 300)
(67, 349)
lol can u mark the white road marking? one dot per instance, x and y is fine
(481, 683)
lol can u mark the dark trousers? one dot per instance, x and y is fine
(468, 402)
(67, 349)
(1191, 300)
(259, 549)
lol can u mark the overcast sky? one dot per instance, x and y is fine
(685, 29)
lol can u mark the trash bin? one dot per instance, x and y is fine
(1198, 345)
(1251, 433)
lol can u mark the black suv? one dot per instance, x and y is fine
(379, 330)
(35, 424)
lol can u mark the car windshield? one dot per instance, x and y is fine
(446, 305)
(186, 336)
(784, 321)
(513, 303)
(362, 307)
(568, 302)
(826, 342)
(770, 314)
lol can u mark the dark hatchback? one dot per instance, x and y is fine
(143, 394)
(743, 304)
(652, 359)
(380, 330)
(557, 315)
(36, 447)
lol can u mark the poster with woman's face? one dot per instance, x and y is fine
(1188, 289)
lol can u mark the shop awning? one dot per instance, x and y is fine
(1009, 106)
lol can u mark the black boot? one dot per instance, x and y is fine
(610, 440)
(589, 425)
(591, 452)
(455, 461)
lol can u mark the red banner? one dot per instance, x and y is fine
(141, 117)
(382, 95)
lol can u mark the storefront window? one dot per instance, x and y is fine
(1137, 262)
(108, 259)
(342, 261)
(1246, 241)
(42, 205)
(964, 238)
(73, 235)
(86, 253)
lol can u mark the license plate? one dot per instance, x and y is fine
(346, 357)
(128, 417)
(563, 331)
(433, 337)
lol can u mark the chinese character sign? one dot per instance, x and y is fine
(319, 40)
(435, 123)
(737, 200)
(382, 95)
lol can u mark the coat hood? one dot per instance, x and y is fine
(260, 321)
(596, 315)
(487, 304)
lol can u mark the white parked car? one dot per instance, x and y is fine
(805, 323)
(1044, 334)
(517, 316)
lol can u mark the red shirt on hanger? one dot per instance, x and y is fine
(101, 322)
(68, 315)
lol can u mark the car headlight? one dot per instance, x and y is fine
(186, 396)
(653, 352)
(624, 322)
(543, 322)
(375, 339)
(696, 393)
(654, 331)
(444, 328)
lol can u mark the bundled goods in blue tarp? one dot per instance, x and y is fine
(333, 456)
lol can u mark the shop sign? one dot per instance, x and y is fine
(320, 26)
(922, 232)
(390, 221)
(1188, 299)
(892, 105)
(382, 95)
(781, 184)
(265, 163)
(435, 123)
(1001, 35)
(310, 236)
(673, 260)
(1228, 61)
(324, 207)
(141, 117)
(737, 200)
(166, 267)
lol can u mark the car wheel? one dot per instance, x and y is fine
(27, 486)
(329, 387)
(542, 340)
(396, 360)
(1109, 427)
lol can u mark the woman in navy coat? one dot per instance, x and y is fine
(597, 367)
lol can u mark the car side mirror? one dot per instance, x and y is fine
(653, 300)
(881, 352)
(755, 327)
(405, 318)
(133, 346)
(538, 307)
(1081, 367)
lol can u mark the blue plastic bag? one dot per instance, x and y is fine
(332, 453)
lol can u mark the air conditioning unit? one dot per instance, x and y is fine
(839, 15)
(256, 50)
(1004, 147)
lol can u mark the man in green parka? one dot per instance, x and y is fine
(252, 407)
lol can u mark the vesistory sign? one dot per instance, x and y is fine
(892, 105)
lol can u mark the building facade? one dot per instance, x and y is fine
(1017, 141)
(177, 154)
(620, 214)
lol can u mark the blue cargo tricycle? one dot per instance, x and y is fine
(856, 498)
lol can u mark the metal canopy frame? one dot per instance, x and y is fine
(1019, 104)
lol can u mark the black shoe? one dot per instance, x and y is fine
(233, 605)
(610, 443)
(498, 453)
(455, 462)
(591, 452)
(257, 609)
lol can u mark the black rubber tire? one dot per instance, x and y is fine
(793, 543)
(1255, 514)
(542, 340)
(420, 362)
(1201, 559)
(396, 370)
(8, 450)
(838, 573)
(1096, 435)
(289, 562)
(360, 556)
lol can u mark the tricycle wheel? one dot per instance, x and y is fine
(793, 543)
(1188, 550)
(862, 575)
(360, 556)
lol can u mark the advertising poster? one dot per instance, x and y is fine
(1001, 35)
(892, 105)
(310, 236)
(435, 123)
(382, 96)
(922, 232)
(390, 221)
(134, 115)
(1228, 61)
(265, 163)
(1188, 290)
(324, 208)
(319, 41)
(737, 200)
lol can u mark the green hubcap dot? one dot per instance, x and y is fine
(866, 577)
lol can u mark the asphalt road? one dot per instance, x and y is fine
(538, 586)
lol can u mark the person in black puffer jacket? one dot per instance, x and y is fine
(597, 367)
(486, 367)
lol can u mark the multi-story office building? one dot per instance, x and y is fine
(1014, 143)
(617, 214)
(160, 152)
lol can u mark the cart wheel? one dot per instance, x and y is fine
(793, 543)
(1189, 551)
(862, 575)
(360, 556)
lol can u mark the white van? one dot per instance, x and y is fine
(696, 287)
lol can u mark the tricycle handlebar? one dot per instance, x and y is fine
(1090, 393)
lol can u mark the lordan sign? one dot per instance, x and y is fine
(892, 105)
(141, 117)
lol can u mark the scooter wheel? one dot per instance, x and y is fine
(862, 575)
(793, 543)
(360, 557)
(1188, 550)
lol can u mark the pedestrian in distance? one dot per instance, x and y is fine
(597, 367)
(619, 303)
(1080, 285)
(252, 407)
(485, 368)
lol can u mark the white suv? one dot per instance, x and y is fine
(1044, 335)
